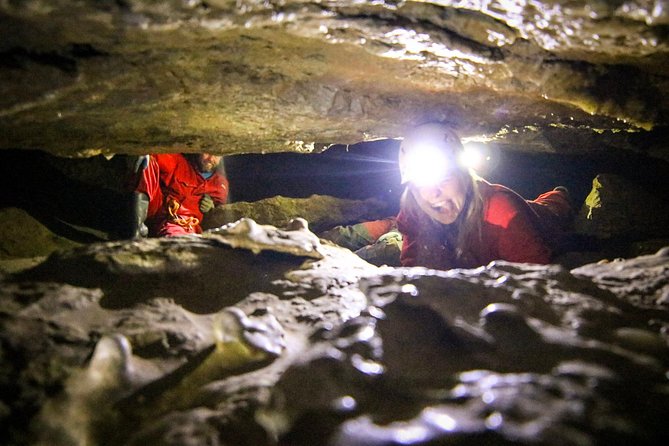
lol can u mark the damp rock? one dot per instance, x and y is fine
(616, 207)
(321, 211)
(22, 237)
(329, 350)
(640, 281)
(506, 353)
(295, 239)
(123, 334)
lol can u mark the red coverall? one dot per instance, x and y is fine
(175, 188)
(513, 229)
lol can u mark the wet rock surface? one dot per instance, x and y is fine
(22, 236)
(254, 76)
(191, 341)
(617, 207)
(506, 354)
(322, 212)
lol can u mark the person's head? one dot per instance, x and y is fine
(430, 166)
(205, 162)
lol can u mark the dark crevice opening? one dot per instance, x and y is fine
(95, 193)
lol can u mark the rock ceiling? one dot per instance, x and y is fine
(79, 78)
(264, 336)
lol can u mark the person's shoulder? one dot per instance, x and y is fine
(502, 203)
(407, 222)
(165, 156)
(219, 178)
(168, 158)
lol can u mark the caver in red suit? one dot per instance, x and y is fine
(452, 218)
(512, 229)
(176, 190)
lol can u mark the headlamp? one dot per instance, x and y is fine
(426, 165)
(473, 157)
(431, 152)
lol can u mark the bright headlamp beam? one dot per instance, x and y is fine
(472, 157)
(427, 165)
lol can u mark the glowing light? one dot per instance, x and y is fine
(345, 403)
(440, 419)
(410, 434)
(473, 156)
(426, 165)
(480, 157)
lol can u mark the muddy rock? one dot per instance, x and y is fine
(617, 207)
(505, 354)
(23, 236)
(242, 336)
(322, 212)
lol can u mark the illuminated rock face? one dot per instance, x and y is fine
(189, 341)
(253, 76)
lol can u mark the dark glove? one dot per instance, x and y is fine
(206, 204)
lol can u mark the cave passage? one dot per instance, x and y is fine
(89, 199)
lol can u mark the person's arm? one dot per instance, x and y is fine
(167, 162)
(352, 237)
(219, 194)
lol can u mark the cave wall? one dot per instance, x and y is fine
(89, 77)
(258, 335)
(562, 90)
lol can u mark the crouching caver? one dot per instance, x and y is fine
(175, 191)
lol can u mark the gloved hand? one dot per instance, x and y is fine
(206, 204)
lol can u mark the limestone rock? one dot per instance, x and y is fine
(23, 236)
(328, 351)
(234, 77)
(617, 207)
(505, 353)
(321, 211)
(246, 233)
(126, 332)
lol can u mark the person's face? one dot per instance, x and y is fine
(207, 162)
(444, 201)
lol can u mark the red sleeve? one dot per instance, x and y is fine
(166, 161)
(149, 184)
(518, 238)
(217, 189)
(377, 228)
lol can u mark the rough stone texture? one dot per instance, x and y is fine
(138, 305)
(188, 341)
(88, 77)
(322, 212)
(507, 354)
(23, 236)
(616, 207)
